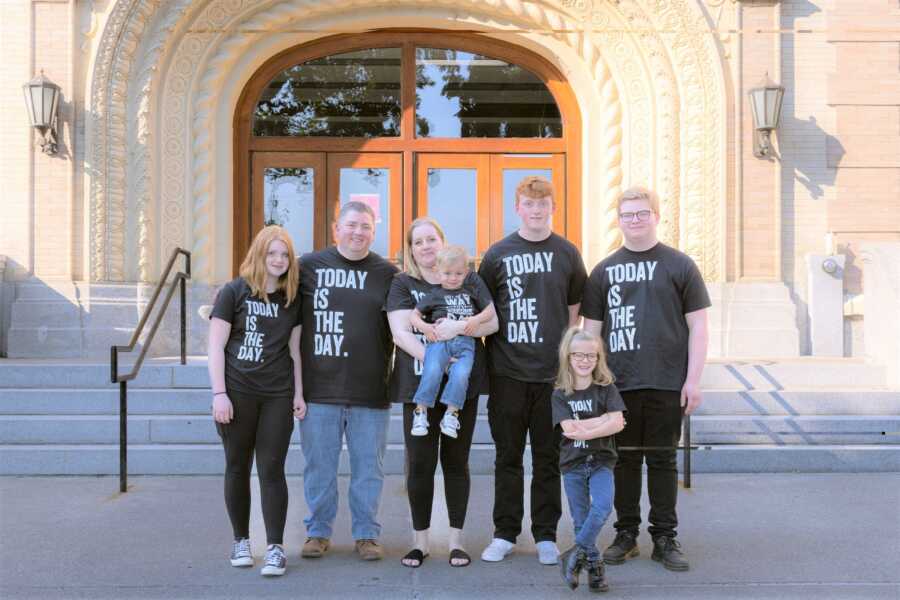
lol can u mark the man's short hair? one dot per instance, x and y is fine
(534, 186)
(639, 193)
(355, 206)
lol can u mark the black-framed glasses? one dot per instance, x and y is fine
(628, 217)
(582, 356)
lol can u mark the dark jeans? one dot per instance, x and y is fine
(262, 426)
(422, 455)
(516, 410)
(653, 419)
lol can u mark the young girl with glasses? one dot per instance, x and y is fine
(588, 408)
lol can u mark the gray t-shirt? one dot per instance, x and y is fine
(594, 401)
(642, 298)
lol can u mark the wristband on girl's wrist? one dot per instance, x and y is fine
(219, 393)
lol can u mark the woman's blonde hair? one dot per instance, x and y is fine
(565, 379)
(253, 269)
(410, 266)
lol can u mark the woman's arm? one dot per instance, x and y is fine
(448, 329)
(416, 321)
(404, 338)
(219, 330)
(294, 347)
(473, 324)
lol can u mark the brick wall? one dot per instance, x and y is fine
(15, 137)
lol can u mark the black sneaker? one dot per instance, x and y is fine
(570, 564)
(623, 547)
(596, 576)
(667, 550)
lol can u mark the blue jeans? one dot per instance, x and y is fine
(437, 357)
(321, 437)
(589, 488)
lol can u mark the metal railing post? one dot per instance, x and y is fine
(180, 280)
(182, 285)
(123, 436)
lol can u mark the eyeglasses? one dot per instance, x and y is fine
(628, 217)
(582, 356)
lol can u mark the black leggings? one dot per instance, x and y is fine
(263, 425)
(422, 455)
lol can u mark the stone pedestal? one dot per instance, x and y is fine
(82, 320)
(881, 286)
(825, 289)
(752, 320)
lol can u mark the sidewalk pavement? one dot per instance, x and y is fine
(772, 536)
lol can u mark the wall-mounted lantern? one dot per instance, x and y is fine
(42, 100)
(765, 104)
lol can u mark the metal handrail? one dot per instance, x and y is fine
(180, 280)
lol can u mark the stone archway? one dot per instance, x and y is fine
(159, 142)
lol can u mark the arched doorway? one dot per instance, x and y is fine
(411, 122)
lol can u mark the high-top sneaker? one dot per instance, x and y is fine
(596, 575)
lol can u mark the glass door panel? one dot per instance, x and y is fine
(507, 170)
(454, 189)
(289, 190)
(375, 179)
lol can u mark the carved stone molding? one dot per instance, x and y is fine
(661, 99)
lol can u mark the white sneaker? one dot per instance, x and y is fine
(420, 423)
(240, 553)
(497, 550)
(548, 553)
(450, 424)
(275, 561)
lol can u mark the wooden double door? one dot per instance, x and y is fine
(472, 196)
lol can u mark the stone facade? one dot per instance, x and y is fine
(146, 156)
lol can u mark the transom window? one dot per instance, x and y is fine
(359, 94)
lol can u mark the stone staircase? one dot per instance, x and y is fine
(795, 415)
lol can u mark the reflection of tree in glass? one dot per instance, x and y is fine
(356, 94)
(525, 107)
(275, 212)
(373, 177)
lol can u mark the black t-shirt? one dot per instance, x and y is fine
(406, 292)
(346, 342)
(533, 284)
(467, 301)
(594, 401)
(257, 357)
(642, 298)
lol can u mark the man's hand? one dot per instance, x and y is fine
(691, 397)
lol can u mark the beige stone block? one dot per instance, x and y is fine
(867, 120)
(863, 151)
(866, 200)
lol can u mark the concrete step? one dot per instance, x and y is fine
(208, 459)
(748, 375)
(199, 429)
(196, 401)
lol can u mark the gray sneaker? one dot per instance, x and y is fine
(275, 561)
(240, 553)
